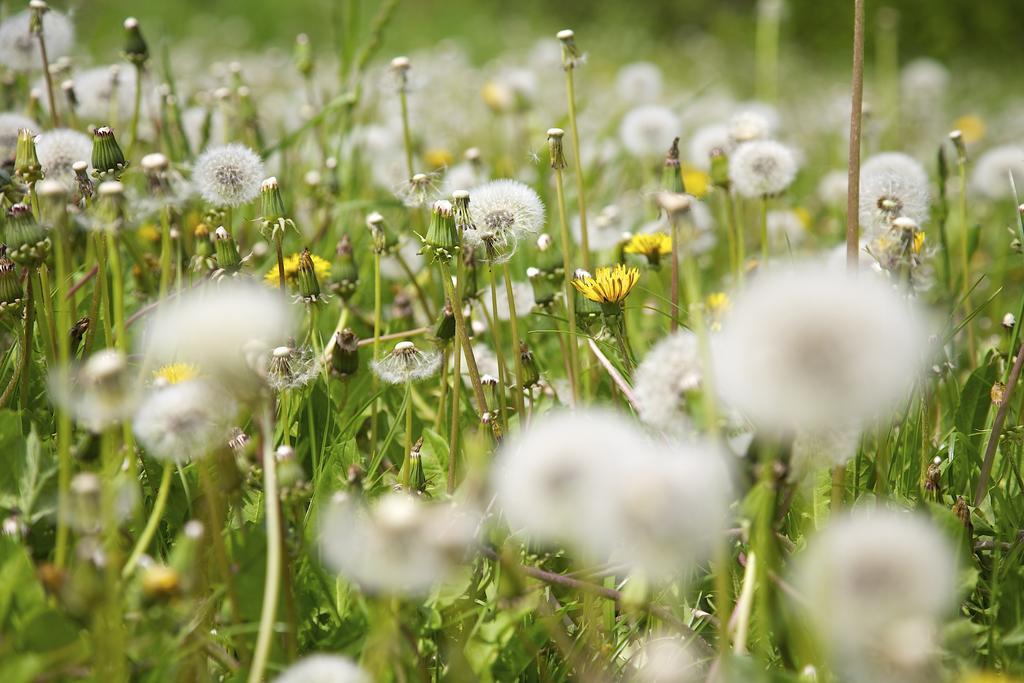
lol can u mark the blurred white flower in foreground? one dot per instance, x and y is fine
(992, 171)
(397, 545)
(665, 659)
(322, 668)
(807, 346)
(876, 584)
(647, 131)
(101, 392)
(19, 49)
(184, 421)
(639, 82)
(223, 329)
(663, 380)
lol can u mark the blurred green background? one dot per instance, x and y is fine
(982, 32)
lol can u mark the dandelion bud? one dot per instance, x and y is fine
(463, 217)
(10, 284)
(672, 176)
(344, 271)
(227, 251)
(303, 55)
(531, 374)
(271, 203)
(957, 138)
(442, 239)
(26, 164)
(308, 283)
(27, 243)
(35, 23)
(1009, 321)
(135, 49)
(82, 179)
(418, 480)
(719, 168)
(571, 57)
(375, 222)
(445, 330)
(545, 286)
(107, 158)
(345, 353)
(555, 151)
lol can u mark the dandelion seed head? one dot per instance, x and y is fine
(19, 50)
(639, 82)
(762, 168)
(58, 150)
(892, 184)
(829, 348)
(406, 363)
(990, 177)
(10, 124)
(647, 131)
(229, 175)
(662, 381)
(504, 211)
(323, 668)
(183, 421)
(291, 367)
(832, 188)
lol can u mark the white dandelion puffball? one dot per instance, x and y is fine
(19, 49)
(806, 346)
(323, 668)
(10, 124)
(228, 176)
(869, 576)
(671, 506)
(104, 90)
(814, 450)
(669, 371)
(754, 122)
(503, 211)
(991, 175)
(639, 82)
(221, 328)
(647, 131)
(552, 480)
(706, 140)
(399, 545)
(892, 184)
(786, 227)
(184, 421)
(762, 168)
(406, 363)
(60, 149)
(833, 187)
(924, 81)
(101, 392)
(666, 659)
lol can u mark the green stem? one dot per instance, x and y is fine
(63, 316)
(460, 329)
(272, 583)
(406, 132)
(675, 273)
(499, 350)
(54, 116)
(764, 231)
(26, 342)
(280, 262)
(377, 308)
(570, 89)
(153, 522)
(136, 111)
(117, 279)
(404, 473)
(570, 310)
(513, 320)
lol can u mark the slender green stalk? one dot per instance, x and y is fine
(570, 310)
(63, 318)
(695, 316)
(453, 427)
(165, 251)
(675, 274)
(765, 248)
(767, 41)
(965, 252)
(117, 280)
(513, 320)
(272, 583)
(26, 343)
(499, 350)
(405, 473)
(581, 200)
(153, 522)
(133, 131)
(403, 100)
(45, 314)
(377, 314)
(455, 296)
(113, 664)
(282, 285)
(44, 58)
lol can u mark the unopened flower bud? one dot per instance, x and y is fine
(555, 151)
(345, 353)
(26, 164)
(135, 49)
(442, 238)
(227, 251)
(108, 160)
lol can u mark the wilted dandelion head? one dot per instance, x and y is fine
(229, 175)
(406, 363)
(291, 367)
(322, 668)
(639, 82)
(892, 184)
(184, 421)
(806, 347)
(503, 211)
(762, 168)
(219, 328)
(872, 581)
(647, 131)
(19, 50)
(58, 150)
(663, 381)
(398, 545)
(10, 123)
(991, 175)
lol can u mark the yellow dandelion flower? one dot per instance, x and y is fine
(804, 216)
(438, 158)
(291, 268)
(918, 242)
(149, 232)
(608, 285)
(972, 127)
(176, 373)
(696, 181)
(652, 245)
